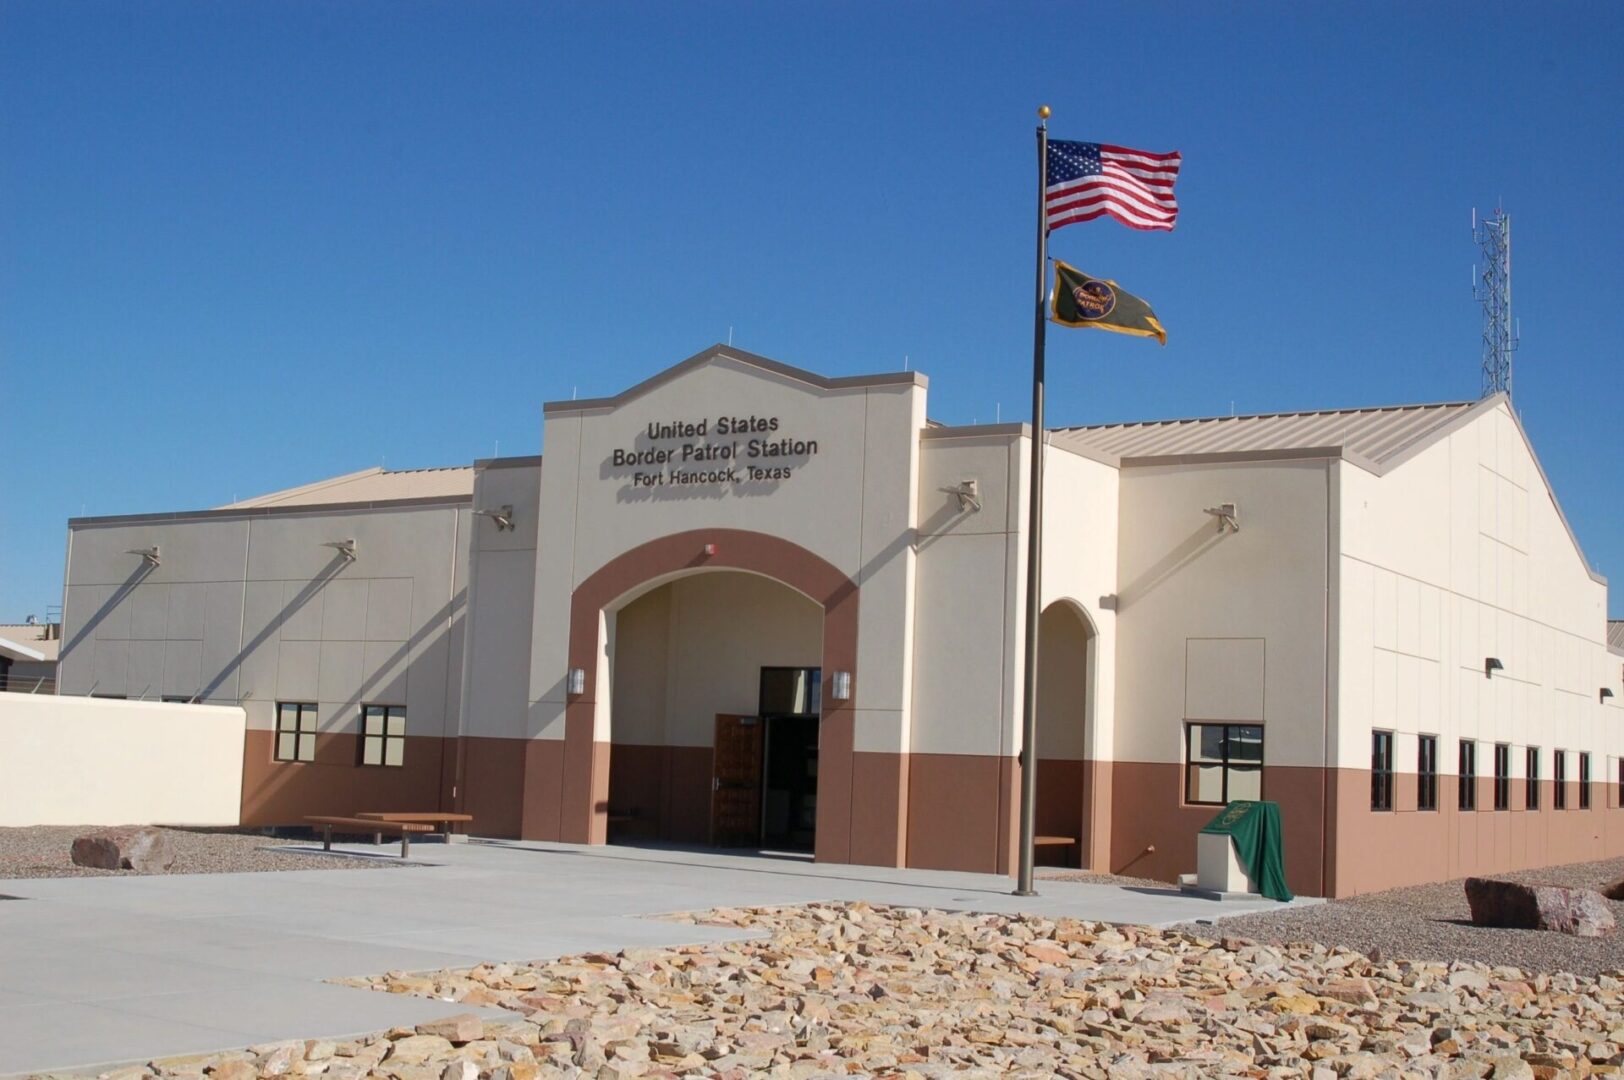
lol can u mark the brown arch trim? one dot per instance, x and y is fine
(583, 786)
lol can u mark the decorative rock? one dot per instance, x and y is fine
(416, 1049)
(1511, 1067)
(460, 1070)
(1349, 992)
(233, 1070)
(140, 848)
(462, 1028)
(1581, 912)
(517, 1070)
(978, 995)
(277, 1059)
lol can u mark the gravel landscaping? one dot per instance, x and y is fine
(837, 990)
(1432, 922)
(42, 851)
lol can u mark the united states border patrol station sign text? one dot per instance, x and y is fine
(689, 452)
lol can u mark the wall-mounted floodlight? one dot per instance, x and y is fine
(1229, 519)
(502, 515)
(149, 555)
(840, 686)
(1491, 664)
(345, 548)
(575, 681)
(968, 493)
(1606, 692)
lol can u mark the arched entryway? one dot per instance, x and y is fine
(1065, 706)
(714, 712)
(588, 751)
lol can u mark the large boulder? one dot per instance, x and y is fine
(1581, 912)
(140, 848)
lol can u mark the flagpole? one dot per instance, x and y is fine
(1034, 535)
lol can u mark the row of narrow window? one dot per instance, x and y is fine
(383, 733)
(1381, 775)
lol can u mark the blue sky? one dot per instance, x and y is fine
(245, 246)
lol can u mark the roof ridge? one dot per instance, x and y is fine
(1270, 415)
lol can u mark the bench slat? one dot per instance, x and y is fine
(372, 824)
(433, 817)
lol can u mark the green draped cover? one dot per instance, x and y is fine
(1255, 828)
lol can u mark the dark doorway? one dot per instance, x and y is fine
(790, 700)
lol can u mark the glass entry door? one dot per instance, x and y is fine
(790, 700)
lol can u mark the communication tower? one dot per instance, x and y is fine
(1491, 287)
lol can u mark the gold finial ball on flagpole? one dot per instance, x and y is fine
(1043, 112)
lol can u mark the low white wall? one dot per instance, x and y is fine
(89, 761)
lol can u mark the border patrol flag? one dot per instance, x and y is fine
(1080, 300)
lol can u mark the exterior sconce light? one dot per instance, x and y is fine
(710, 550)
(1229, 519)
(345, 548)
(840, 686)
(969, 496)
(148, 555)
(575, 681)
(502, 515)
(1606, 692)
(1490, 666)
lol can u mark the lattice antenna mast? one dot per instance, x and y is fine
(1491, 287)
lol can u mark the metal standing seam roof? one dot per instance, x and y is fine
(1376, 439)
(371, 485)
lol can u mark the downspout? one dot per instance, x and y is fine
(1332, 675)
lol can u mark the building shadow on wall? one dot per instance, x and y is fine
(1185, 552)
(121, 594)
(274, 627)
(440, 621)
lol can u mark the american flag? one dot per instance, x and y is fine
(1085, 180)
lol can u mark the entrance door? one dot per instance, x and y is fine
(736, 787)
(790, 699)
(789, 805)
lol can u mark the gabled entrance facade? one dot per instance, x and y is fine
(727, 468)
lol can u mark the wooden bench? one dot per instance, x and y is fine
(369, 825)
(442, 818)
(1053, 841)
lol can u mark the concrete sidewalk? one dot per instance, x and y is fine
(102, 970)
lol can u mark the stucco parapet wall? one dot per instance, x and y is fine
(228, 514)
(530, 462)
(747, 359)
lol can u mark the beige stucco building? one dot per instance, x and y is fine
(742, 603)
